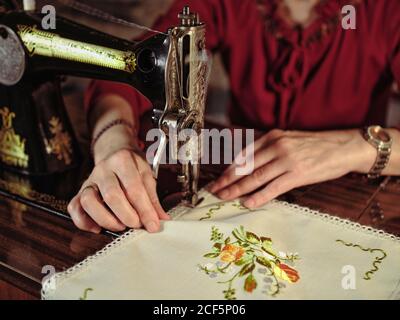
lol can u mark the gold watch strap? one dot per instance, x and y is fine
(380, 164)
(383, 152)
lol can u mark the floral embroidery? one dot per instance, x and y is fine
(231, 253)
(85, 294)
(378, 260)
(238, 256)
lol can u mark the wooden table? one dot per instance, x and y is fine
(31, 239)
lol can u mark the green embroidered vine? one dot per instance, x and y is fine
(239, 206)
(378, 260)
(85, 294)
(210, 214)
(212, 211)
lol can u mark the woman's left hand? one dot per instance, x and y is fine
(284, 160)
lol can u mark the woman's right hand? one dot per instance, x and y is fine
(119, 193)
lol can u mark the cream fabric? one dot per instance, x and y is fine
(322, 253)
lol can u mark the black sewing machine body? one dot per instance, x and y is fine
(36, 138)
(42, 139)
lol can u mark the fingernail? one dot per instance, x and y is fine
(224, 194)
(167, 216)
(95, 230)
(152, 227)
(249, 203)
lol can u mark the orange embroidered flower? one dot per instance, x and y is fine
(250, 283)
(231, 253)
(286, 273)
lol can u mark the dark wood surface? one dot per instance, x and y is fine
(31, 239)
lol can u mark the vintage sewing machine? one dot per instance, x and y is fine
(36, 139)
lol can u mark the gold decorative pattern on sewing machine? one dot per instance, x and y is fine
(186, 87)
(61, 143)
(12, 146)
(48, 44)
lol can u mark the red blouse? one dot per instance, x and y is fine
(321, 77)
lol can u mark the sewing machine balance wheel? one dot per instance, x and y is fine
(11, 70)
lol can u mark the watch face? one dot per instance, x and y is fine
(380, 134)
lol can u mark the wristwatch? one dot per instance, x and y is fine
(381, 140)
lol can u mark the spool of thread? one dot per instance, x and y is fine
(29, 5)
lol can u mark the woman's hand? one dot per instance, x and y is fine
(284, 160)
(119, 193)
(121, 190)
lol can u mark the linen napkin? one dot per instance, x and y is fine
(221, 250)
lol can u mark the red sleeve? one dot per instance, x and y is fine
(393, 37)
(100, 88)
(220, 21)
(393, 40)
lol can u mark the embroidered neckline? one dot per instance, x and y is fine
(328, 14)
(284, 11)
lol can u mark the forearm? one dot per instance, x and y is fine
(108, 109)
